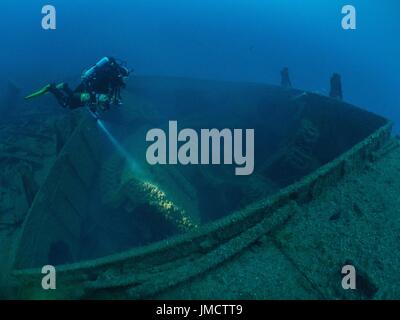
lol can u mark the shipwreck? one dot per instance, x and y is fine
(322, 195)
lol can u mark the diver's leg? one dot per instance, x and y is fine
(61, 97)
(64, 86)
(76, 101)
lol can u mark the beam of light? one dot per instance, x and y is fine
(133, 165)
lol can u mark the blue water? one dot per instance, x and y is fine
(132, 163)
(248, 40)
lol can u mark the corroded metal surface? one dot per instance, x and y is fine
(61, 203)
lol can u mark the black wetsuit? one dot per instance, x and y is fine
(67, 97)
(107, 80)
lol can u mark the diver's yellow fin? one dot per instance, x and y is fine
(39, 93)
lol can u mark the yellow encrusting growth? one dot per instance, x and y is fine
(129, 191)
(146, 192)
(167, 208)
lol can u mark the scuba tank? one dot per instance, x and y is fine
(107, 76)
(87, 74)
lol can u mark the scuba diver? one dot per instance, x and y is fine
(100, 87)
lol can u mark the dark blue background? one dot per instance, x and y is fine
(218, 39)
